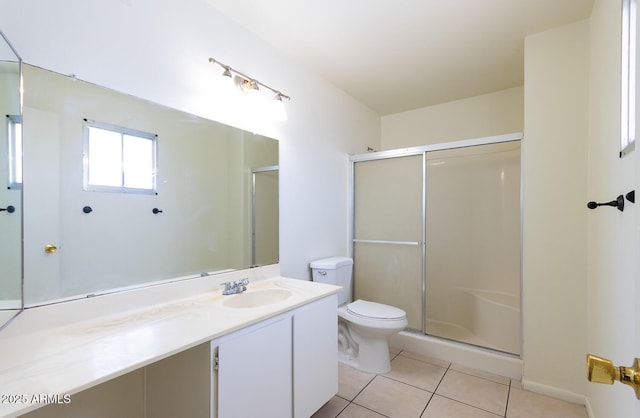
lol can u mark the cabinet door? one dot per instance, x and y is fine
(254, 372)
(315, 355)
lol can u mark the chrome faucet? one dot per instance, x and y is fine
(234, 287)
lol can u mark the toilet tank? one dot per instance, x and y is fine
(337, 271)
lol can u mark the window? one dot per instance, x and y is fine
(628, 83)
(118, 159)
(14, 143)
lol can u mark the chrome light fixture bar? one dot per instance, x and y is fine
(247, 82)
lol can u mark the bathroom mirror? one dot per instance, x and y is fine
(190, 216)
(10, 187)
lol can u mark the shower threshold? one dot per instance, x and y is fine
(459, 334)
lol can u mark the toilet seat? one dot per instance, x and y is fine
(373, 310)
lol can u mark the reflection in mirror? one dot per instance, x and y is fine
(194, 218)
(10, 184)
(264, 216)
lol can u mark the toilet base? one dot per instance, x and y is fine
(370, 355)
(373, 357)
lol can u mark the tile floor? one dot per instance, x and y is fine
(422, 387)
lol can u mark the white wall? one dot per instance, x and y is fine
(490, 114)
(160, 50)
(554, 163)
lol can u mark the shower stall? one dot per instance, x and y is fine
(436, 232)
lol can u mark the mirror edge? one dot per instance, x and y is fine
(21, 308)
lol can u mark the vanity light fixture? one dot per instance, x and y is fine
(251, 86)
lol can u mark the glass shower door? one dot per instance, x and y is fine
(473, 251)
(389, 234)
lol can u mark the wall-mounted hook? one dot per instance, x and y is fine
(618, 203)
(87, 209)
(8, 209)
(156, 211)
(631, 196)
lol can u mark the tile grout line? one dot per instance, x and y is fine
(435, 389)
(356, 395)
(448, 368)
(506, 406)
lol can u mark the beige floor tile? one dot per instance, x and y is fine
(516, 384)
(440, 407)
(351, 381)
(475, 391)
(524, 404)
(416, 373)
(392, 398)
(357, 411)
(332, 408)
(426, 359)
(480, 373)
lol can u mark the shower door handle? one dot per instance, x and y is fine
(602, 370)
(380, 241)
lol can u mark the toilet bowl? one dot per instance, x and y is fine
(370, 324)
(363, 326)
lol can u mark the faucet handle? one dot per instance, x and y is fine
(235, 286)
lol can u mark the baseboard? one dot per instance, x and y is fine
(555, 392)
(587, 405)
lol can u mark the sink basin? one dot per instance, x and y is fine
(256, 298)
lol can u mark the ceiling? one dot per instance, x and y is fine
(406, 54)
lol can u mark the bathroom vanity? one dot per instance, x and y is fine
(270, 351)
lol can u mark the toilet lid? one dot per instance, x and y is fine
(375, 310)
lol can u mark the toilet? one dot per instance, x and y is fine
(363, 326)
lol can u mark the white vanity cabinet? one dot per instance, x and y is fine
(278, 359)
(315, 356)
(282, 367)
(252, 374)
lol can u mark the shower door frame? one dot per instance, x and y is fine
(252, 187)
(414, 151)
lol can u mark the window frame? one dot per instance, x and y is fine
(122, 131)
(14, 151)
(628, 78)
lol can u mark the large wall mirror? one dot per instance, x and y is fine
(120, 192)
(10, 184)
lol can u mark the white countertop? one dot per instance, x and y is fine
(54, 358)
